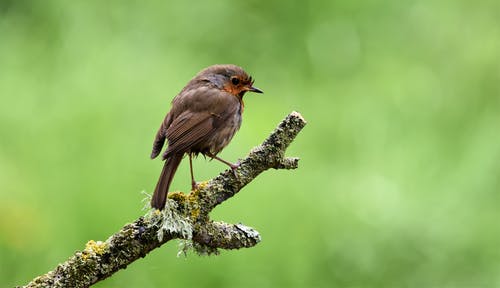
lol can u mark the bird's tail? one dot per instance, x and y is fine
(166, 176)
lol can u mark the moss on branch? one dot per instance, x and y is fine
(187, 217)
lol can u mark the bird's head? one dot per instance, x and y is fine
(230, 78)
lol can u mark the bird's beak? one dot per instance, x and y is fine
(255, 89)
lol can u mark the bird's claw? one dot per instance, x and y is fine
(194, 186)
(234, 167)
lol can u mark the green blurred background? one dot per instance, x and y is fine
(399, 179)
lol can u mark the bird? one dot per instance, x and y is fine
(203, 119)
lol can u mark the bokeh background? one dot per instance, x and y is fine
(399, 179)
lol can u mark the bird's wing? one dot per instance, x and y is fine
(196, 114)
(187, 130)
(160, 136)
(188, 99)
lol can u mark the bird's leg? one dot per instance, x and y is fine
(231, 165)
(194, 185)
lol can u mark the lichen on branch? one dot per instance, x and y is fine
(187, 218)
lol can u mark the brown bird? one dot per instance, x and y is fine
(203, 119)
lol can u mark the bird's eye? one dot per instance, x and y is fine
(235, 81)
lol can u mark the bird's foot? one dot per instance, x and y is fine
(234, 167)
(194, 185)
(231, 165)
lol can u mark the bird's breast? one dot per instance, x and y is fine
(225, 132)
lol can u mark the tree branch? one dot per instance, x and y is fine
(185, 217)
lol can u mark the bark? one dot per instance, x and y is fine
(186, 217)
